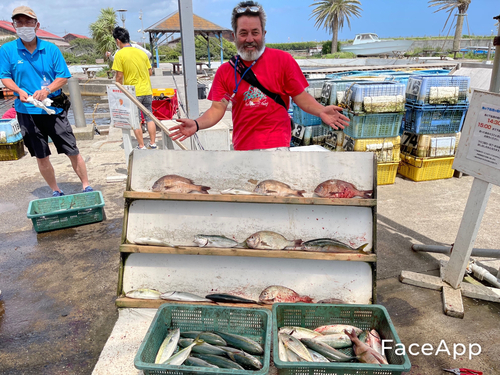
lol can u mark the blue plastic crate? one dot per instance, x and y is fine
(356, 94)
(419, 88)
(10, 132)
(303, 118)
(434, 119)
(331, 88)
(378, 125)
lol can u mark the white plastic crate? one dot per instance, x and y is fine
(375, 97)
(433, 89)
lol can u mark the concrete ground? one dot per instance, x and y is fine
(58, 288)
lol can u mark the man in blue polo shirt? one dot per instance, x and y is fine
(33, 67)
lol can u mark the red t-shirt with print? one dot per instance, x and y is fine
(258, 121)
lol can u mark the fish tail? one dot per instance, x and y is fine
(204, 189)
(305, 299)
(367, 193)
(361, 249)
(300, 193)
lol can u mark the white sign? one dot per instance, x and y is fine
(485, 143)
(124, 113)
(478, 151)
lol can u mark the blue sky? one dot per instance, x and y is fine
(288, 20)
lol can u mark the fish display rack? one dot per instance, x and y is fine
(426, 169)
(12, 151)
(437, 89)
(66, 211)
(177, 218)
(434, 119)
(10, 131)
(252, 323)
(365, 317)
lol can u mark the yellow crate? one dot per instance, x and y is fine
(386, 173)
(165, 92)
(380, 146)
(425, 169)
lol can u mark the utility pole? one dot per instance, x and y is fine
(142, 29)
(122, 15)
(495, 74)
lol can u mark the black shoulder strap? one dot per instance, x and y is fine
(252, 79)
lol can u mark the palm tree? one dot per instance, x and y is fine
(331, 14)
(450, 6)
(102, 30)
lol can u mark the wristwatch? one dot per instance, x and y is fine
(47, 89)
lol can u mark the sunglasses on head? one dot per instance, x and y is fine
(253, 9)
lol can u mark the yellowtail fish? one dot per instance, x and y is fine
(143, 294)
(296, 346)
(168, 346)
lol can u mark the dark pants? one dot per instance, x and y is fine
(37, 128)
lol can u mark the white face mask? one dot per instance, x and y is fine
(27, 34)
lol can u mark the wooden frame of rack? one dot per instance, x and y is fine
(127, 248)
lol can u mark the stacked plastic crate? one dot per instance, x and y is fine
(435, 113)
(375, 111)
(11, 140)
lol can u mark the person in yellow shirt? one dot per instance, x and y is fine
(133, 68)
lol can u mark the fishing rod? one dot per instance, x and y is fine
(195, 136)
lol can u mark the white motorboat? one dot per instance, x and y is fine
(369, 44)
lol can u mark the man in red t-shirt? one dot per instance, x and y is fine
(259, 122)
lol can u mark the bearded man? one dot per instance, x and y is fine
(260, 106)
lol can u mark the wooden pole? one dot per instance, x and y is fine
(464, 242)
(146, 111)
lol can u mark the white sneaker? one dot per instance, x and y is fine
(141, 148)
(152, 146)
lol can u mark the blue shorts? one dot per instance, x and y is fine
(36, 129)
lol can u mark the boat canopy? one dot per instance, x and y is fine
(366, 38)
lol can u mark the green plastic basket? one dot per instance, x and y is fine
(252, 323)
(362, 316)
(378, 125)
(66, 211)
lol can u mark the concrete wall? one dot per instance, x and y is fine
(448, 43)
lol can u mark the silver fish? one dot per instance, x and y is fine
(242, 342)
(267, 240)
(335, 340)
(296, 346)
(219, 361)
(206, 240)
(168, 346)
(330, 245)
(143, 294)
(234, 191)
(246, 360)
(202, 348)
(151, 241)
(208, 337)
(317, 357)
(337, 328)
(179, 358)
(198, 362)
(327, 351)
(183, 296)
(299, 332)
(282, 350)
(292, 357)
